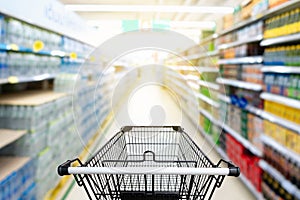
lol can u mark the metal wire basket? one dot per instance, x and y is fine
(149, 162)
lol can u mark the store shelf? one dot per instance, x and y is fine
(23, 79)
(193, 57)
(286, 184)
(208, 100)
(281, 69)
(270, 117)
(8, 136)
(11, 164)
(223, 155)
(183, 68)
(242, 60)
(209, 116)
(207, 54)
(191, 77)
(175, 74)
(281, 100)
(240, 84)
(30, 98)
(16, 48)
(280, 121)
(224, 98)
(193, 85)
(238, 43)
(209, 38)
(207, 69)
(243, 141)
(281, 40)
(209, 85)
(267, 14)
(280, 148)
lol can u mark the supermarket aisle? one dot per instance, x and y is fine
(152, 96)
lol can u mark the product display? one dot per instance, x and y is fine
(247, 162)
(282, 55)
(283, 84)
(283, 24)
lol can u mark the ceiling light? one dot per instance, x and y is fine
(149, 8)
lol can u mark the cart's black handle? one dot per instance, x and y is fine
(233, 170)
(62, 169)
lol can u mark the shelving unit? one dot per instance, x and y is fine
(11, 164)
(30, 98)
(265, 115)
(267, 14)
(209, 116)
(242, 140)
(238, 43)
(223, 155)
(8, 136)
(280, 40)
(207, 100)
(280, 148)
(242, 60)
(209, 85)
(287, 185)
(281, 69)
(240, 84)
(184, 68)
(207, 69)
(281, 100)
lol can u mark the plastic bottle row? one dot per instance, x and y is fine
(283, 84)
(13, 31)
(282, 55)
(283, 24)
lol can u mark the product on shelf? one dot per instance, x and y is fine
(242, 97)
(274, 3)
(247, 162)
(283, 136)
(255, 129)
(289, 168)
(227, 21)
(272, 189)
(240, 35)
(283, 111)
(17, 176)
(231, 71)
(283, 24)
(242, 51)
(23, 34)
(283, 84)
(247, 125)
(252, 74)
(283, 55)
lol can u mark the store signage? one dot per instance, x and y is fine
(48, 14)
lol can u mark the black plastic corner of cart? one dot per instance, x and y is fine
(178, 128)
(126, 128)
(234, 171)
(62, 170)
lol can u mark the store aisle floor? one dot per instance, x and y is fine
(152, 96)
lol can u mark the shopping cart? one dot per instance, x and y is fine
(149, 163)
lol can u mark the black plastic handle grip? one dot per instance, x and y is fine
(234, 171)
(62, 169)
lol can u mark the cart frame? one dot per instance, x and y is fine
(149, 162)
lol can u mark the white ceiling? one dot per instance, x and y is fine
(149, 16)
